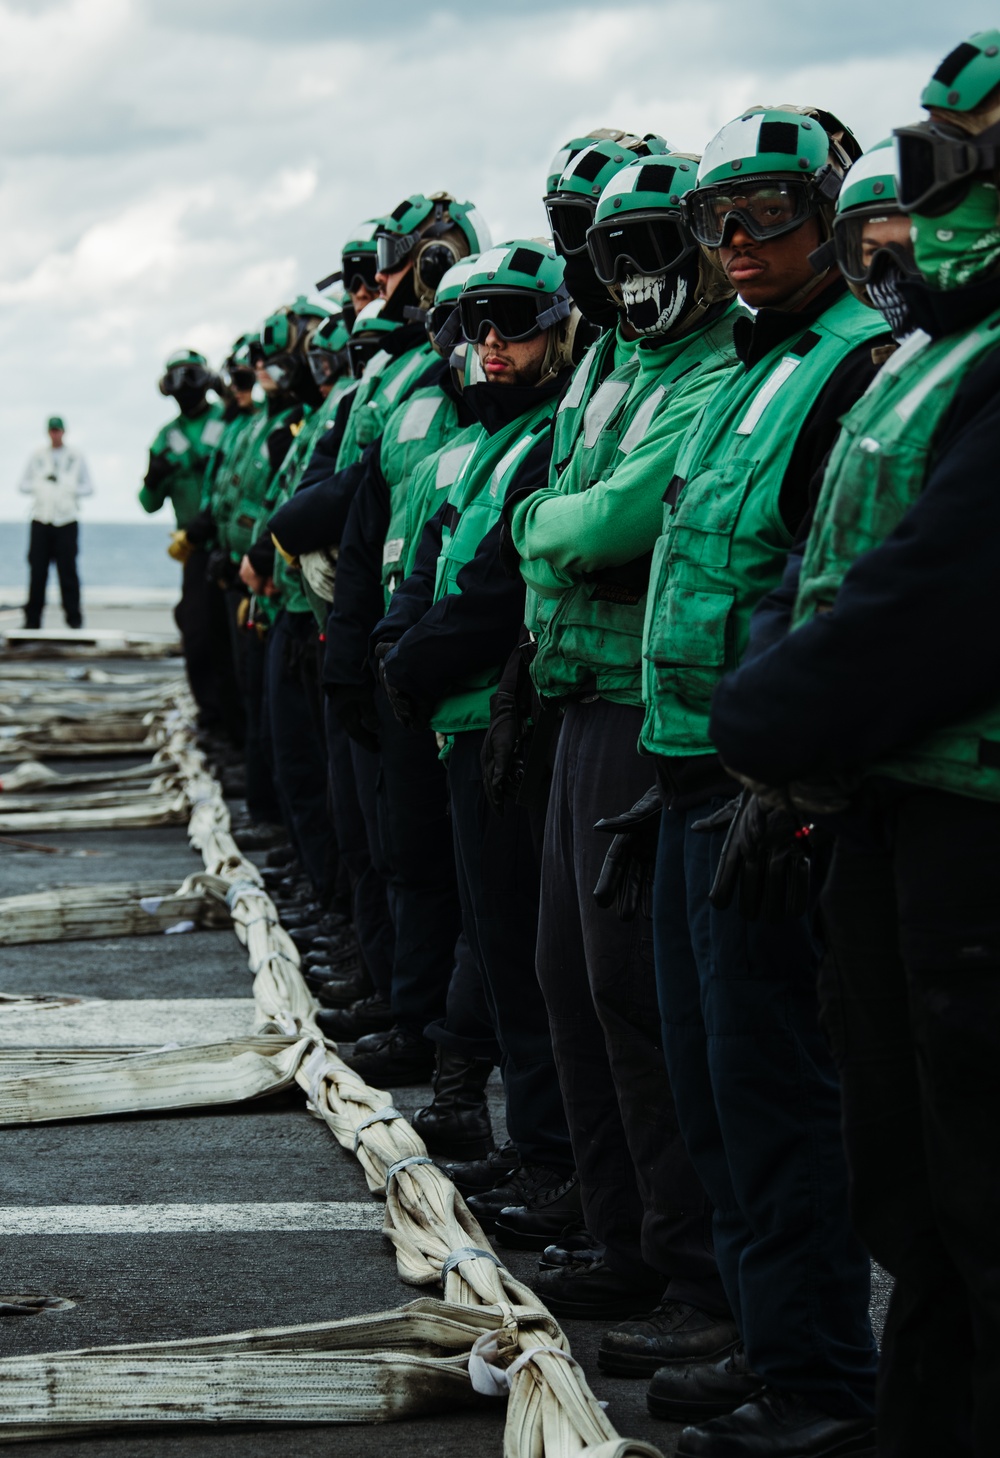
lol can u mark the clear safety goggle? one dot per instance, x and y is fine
(281, 369)
(647, 243)
(765, 207)
(861, 237)
(393, 249)
(326, 365)
(515, 314)
(936, 165)
(569, 218)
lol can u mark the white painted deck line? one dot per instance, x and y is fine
(148, 1022)
(188, 1219)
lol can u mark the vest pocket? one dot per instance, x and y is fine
(708, 507)
(687, 643)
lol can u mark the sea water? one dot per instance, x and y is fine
(112, 555)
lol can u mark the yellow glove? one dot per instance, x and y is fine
(180, 548)
(242, 612)
(287, 556)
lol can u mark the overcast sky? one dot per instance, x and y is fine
(172, 170)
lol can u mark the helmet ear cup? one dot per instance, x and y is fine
(432, 259)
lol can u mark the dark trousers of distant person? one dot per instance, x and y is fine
(48, 544)
(193, 616)
(758, 1103)
(353, 771)
(248, 659)
(498, 876)
(910, 996)
(297, 745)
(642, 1199)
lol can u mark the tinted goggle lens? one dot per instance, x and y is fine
(933, 171)
(359, 352)
(185, 377)
(569, 220)
(392, 251)
(765, 209)
(619, 247)
(514, 316)
(241, 378)
(861, 239)
(279, 368)
(324, 365)
(444, 325)
(359, 271)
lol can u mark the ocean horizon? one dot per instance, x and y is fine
(113, 556)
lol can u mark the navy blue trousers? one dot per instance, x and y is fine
(498, 869)
(759, 1108)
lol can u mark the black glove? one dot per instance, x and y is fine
(356, 714)
(627, 874)
(220, 568)
(200, 528)
(765, 858)
(406, 709)
(158, 472)
(502, 765)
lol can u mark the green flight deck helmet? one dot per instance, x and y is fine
(237, 368)
(870, 230)
(519, 289)
(571, 198)
(185, 372)
(358, 264)
(443, 320)
(643, 250)
(768, 172)
(435, 232)
(937, 161)
(284, 342)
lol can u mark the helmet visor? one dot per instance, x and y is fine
(569, 219)
(358, 271)
(393, 249)
(765, 207)
(860, 237)
(934, 166)
(240, 377)
(185, 377)
(648, 245)
(359, 352)
(514, 314)
(281, 370)
(325, 365)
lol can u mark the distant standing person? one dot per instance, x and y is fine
(55, 478)
(176, 472)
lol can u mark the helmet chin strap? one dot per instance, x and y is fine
(812, 286)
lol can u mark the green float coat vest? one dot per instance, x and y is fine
(345, 386)
(419, 428)
(604, 355)
(215, 494)
(876, 473)
(385, 383)
(431, 480)
(252, 473)
(185, 445)
(476, 501)
(589, 634)
(724, 542)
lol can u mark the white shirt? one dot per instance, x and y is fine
(56, 478)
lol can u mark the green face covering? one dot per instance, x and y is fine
(962, 245)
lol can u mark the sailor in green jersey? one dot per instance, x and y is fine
(176, 469)
(238, 379)
(585, 544)
(440, 648)
(416, 245)
(882, 704)
(383, 523)
(753, 1082)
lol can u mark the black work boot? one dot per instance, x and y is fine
(392, 1059)
(368, 1015)
(536, 1208)
(339, 991)
(472, 1176)
(262, 837)
(672, 1332)
(574, 1247)
(592, 1291)
(779, 1425)
(457, 1121)
(698, 1391)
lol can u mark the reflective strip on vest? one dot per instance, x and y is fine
(212, 433)
(643, 420)
(451, 463)
(601, 408)
(766, 394)
(177, 441)
(953, 360)
(392, 389)
(376, 364)
(509, 460)
(417, 418)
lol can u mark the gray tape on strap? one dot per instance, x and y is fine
(380, 1116)
(407, 1163)
(243, 888)
(465, 1253)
